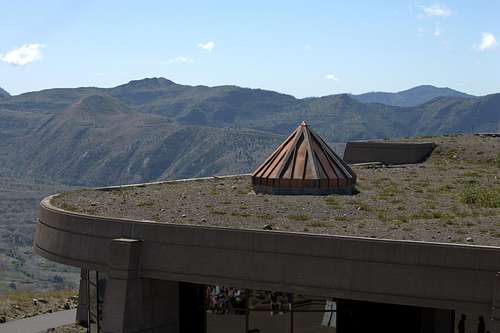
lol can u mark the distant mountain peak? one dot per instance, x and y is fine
(430, 88)
(151, 83)
(426, 86)
(3, 93)
(410, 97)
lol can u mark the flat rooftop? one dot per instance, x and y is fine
(453, 197)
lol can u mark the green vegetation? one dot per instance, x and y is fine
(388, 190)
(69, 207)
(382, 216)
(298, 217)
(343, 218)
(482, 197)
(317, 224)
(400, 219)
(472, 174)
(331, 201)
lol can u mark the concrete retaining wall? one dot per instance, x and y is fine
(387, 152)
(402, 272)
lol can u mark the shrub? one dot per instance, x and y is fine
(481, 197)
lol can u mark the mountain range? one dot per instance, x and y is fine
(154, 128)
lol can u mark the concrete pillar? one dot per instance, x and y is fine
(82, 311)
(133, 304)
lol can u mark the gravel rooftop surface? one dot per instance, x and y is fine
(453, 197)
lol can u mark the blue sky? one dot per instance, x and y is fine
(304, 48)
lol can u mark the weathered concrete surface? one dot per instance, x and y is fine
(387, 152)
(39, 323)
(82, 312)
(402, 272)
(135, 304)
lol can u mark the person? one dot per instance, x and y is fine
(481, 327)
(274, 302)
(461, 324)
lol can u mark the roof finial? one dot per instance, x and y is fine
(303, 123)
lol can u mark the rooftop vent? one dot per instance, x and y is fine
(304, 165)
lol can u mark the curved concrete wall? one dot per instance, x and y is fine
(387, 152)
(403, 272)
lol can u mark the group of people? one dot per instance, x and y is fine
(280, 302)
(225, 300)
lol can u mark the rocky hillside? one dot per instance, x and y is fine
(20, 270)
(99, 140)
(19, 305)
(154, 128)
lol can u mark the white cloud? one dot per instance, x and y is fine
(437, 10)
(331, 77)
(179, 60)
(23, 55)
(209, 46)
(488, 41)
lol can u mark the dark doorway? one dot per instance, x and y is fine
(355, 317)
(192, 314)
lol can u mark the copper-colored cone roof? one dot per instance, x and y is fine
(303, 164)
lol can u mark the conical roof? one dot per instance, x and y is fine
(304, 164)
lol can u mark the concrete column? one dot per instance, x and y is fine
(133, 304)
(82, 311)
